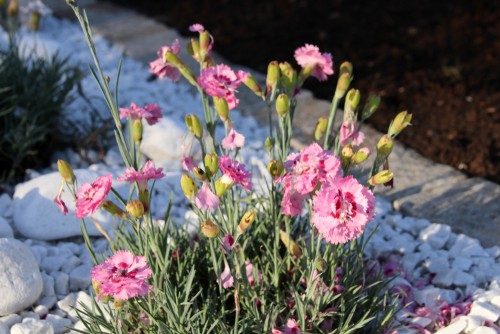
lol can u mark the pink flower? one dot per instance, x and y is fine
(187, 163)
(220, 81)
(341, 209)
(227, 278)
(60, 203)
(148, 172)
(196, 27)
(228, 242)
(291, 204)
(233, 140)
(151, 113)
(321, 63)
(249, 273)
(291, 327)
(162, 68)
(122, 276)
(348, 131)
(235, 172)
(90, 196)
(205, 199)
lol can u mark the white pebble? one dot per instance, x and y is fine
(52, 263)
(59, 324)
(4, 329)
(462, 263)
(48, 285)
(484, 330)
(48, 301)
(467, 245)
(62, 284)
(31, 315)
(11, 319)
(456, 327)
(485, 311)
(71, 263)
(30, 326)
(79, 278)
(437, 265)
(463, 278)
(436, 235)
(42, 311)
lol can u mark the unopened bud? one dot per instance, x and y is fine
(222, 185)
(173, 59)
(199, 173)
(112, 208)
(273, 75)
(320, 264)
(372, 104)
(361, 155)
(188, 186)
(282, 104)
(320, 129)
(137, 130)
(211, 163)
(268, 144)
(118, 304)
(346, 67)
(288, 77)
(252, 84)
(352, 99)
(13, 8)
(204, 44)
(247, 220)
(135, 208)
(35, 21)
(210, 230)
(193, 49)
(275, 168)
(193, 123)
(381, 178)
(66, 171)
(221, 107)
(291, 245)
(343, 85)
(398, 124)
(346, 154)
(385, 146)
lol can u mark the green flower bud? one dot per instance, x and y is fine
(211, 163)
(268, 144)
(398, 124)
(66, 171)
(273, 75)
(346, 67)
(385, 146)
(221, 107)
(381, 178)
(252, 84)
(199, 173)
(247, 220)
(352, 99)
(282, 104)
(275, 168)
(204, 44)
(343, 85)
(135, 208)
(361, 155)
(346, 155)
(222, 185)
(210, 230)
(112, 208)
(137, 130)
(288, 77)
(372, 104)
(320, 264)
(193, 123)
(320, 129)
(188, 186)
(291, 245)
(193, 49)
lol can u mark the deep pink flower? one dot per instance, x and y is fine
(151, 113)
(148, 172)
(291, 327)
(349, 131)
(60, 203)
(205, 199)
(233, 140)
(162, 68)
(228, 242)
(321, 63)
(122, 276)
(341, 209)
(196, 27)
(235, 172)
(220, 81)
(90, 196)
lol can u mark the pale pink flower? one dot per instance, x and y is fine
(187, 163)
(233, 140)
(151, 113)
(235, 172)
(226, 278)
(162, 68)
(242, 75)
(196, 27)
(205, 199)
(122, 276)
(321, 63)
(60, 203)
(90, 196)
(291, 204)
(148, 172)
(220, 81)
(291, 327)
(341, 209)
(349, 131)
(249, 273)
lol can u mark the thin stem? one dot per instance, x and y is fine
(331, 121)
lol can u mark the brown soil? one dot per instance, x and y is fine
(438, 59)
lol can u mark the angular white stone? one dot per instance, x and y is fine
(31, 315)
(436, 235)
(456, 327)
(472, 323)
(445, 278)
(437, 265)
(59, 324)
(5, 229)
(79, 278)
(48, 285)
(484, 311)
(11, 319)
(163, 141)
(31, 326)
(462, 278)
(70, 264)
(467, 245)
(39, 252)
(48, 301)
(462, 263)
(484, 330)
(20, 281)
(4, 329)
(495, 301)
(5, 205)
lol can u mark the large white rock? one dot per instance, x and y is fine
(36, 215)
(32, 326)
(5, 229)
(163, 141)
(20, 281)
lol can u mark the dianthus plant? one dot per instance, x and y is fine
(281, 256)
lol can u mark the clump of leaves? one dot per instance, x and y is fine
(33, 93)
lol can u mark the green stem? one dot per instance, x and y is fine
(331, 121)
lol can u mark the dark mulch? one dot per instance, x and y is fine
(438, 59)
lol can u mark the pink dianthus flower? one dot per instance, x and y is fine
(233, 140)
(235, 172)
(220, 81)
(122, 276)
(90, 196)
(321, 63)
(60, 203)
(148, 172)
(151, 113)
(341, 209)
(196, 27)
(205, 199)
(348, 131)
(291, 327)
(162, 68)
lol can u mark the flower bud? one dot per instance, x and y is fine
(288, 77)
(186, 72)
(221, 107)
(346, 154)
(210, 230)
(35, 21)
(352, 99)
(398, 124)
(252, 84)
(193, 123)
(135, 208)
(292, 247)
(222, 185)
(361, 155)
(320, 129)
(104, 298)
(211, 163)
(13, 8)
(118, 304)
(342, 85)
(247, 220)
(204, 44)
(282, 104)
(199, 173)
(188, 186)
(268, 144)
(384, 146)
(66, 171)
(193, 49)
(137, 130)
(112, 208)
(273, 75)
(381, 177)
(275, 168)
(372, 104)
(346, 67)
(320, 264)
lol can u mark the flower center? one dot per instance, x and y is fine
(344, 207)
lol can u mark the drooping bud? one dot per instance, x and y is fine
(282, 104)
(66, 171)
(275, 168)
(112, 208)
(372, 104)
(210, 230)
(221, 107)
(346, 67)
(381, 177)
(273, 75)
(398, 124)
(342, 85)
(320, 129)
(247, 220)
(288, 77)
(252, 84)
(135, 208)
(345, 155)
(137, 131)
(211, 163)
(199, 173)
(385, 146)
(352, 99)
(193, 123)
(320, 264)
(291, 245)
(186, 72)
(268, 144)
(188, 186)
(204, 44)
(361, 155)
